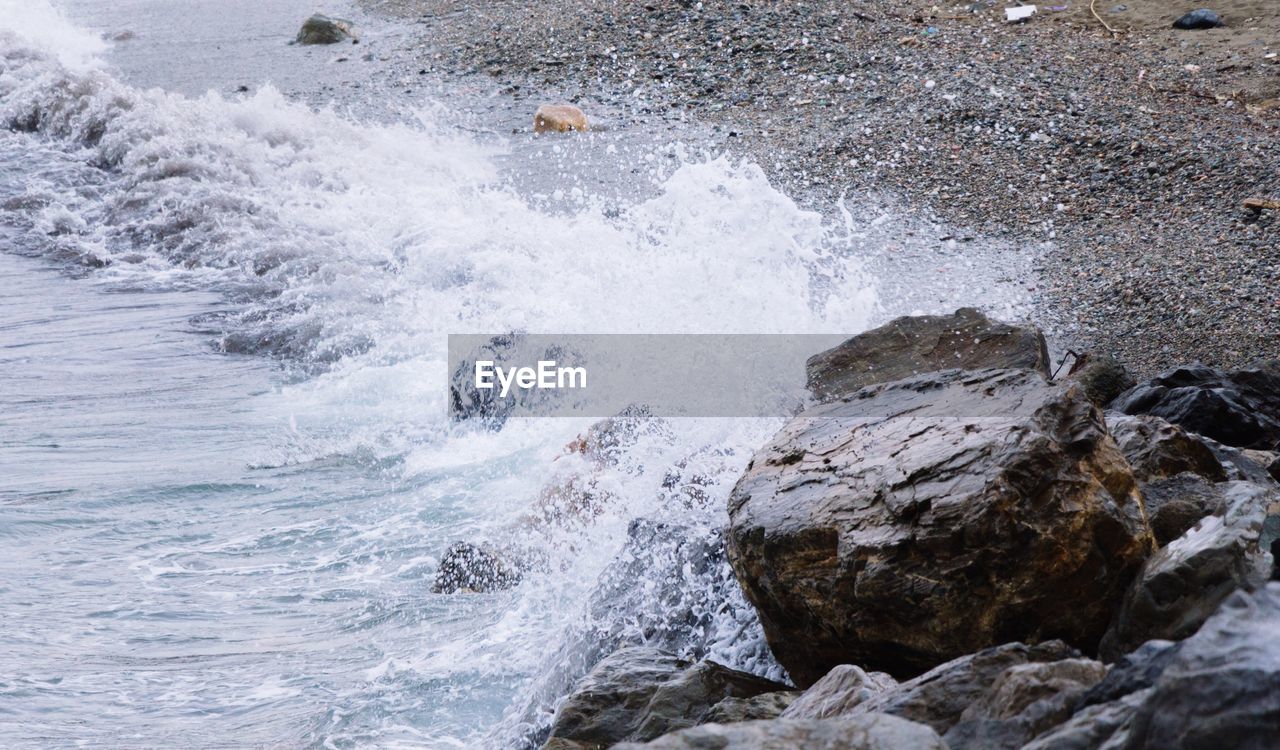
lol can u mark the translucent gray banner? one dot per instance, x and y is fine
(496, 377)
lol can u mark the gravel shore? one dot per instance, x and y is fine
(1131, 153)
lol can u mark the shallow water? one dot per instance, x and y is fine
(226, 472)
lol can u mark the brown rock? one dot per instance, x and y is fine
(910, 346)
(925, 519)
(559, 118)
(1157, 449)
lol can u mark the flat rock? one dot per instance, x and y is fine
(928, 518)
(640, 693)
(1240, 408)
(913, 345)
(867, 732)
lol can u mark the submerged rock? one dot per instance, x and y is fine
(471, 568)
(1198, 20)
(320, 29)
(640, 693)
(921, 520)
(868, 732)
(559, 118)
(1239, 408)
(1181, 585)
(913, 345)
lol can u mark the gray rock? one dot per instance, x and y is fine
(763, 706)
(320, 29)
(931, 517)
(470, 568)
(1157, 449)
(1238, 408)
(1025, 700)
(913, 345)
(1132, 672)
(1222, 690)
(1181, 585)
(1198, 20)
(1240, 465)
(1101, 377)
(940, 697)
(1176, 504)
(640, 693)
(838, 693)
(1104, 726)
(867, 732)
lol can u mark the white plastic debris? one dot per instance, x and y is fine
(1019, 13)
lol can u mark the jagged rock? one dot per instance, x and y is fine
(1198, 20)
(939, 697)
(606, 441)
(1181, 585)
(487, 406)
(1274, 469)
(559, 118)
(473, 568)
(1157, 449)
(1102, 377)
(1101, 727)
(1132, 672)
(763, 706)
(1240, 465)
(1222, 689)
(1239, 408)
(669, 588)
(1025, 700)
(867, 732)
(639, 693)
(838, 693)
(320, 29)
(931, 517)
(1176, 504)
(910, 346)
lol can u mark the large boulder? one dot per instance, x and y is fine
(910, 346)
(1025, 700)
(866, 732)
(1157, 449)
(924, 519)
(640, 693)
(1239, 408)
(1181, 585)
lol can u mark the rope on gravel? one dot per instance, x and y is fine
(1094, 10)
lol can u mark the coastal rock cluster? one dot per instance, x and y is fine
(985, 558)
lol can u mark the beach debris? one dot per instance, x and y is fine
(1019, 13)
(321, 29)
(1258, 205)
(559, 118)
(1198, 20)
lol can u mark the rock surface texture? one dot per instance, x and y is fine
(320, 29)
(868, 732)
(1157, 449)
(924, 519)
(909, 346)
(639, 693)
(1240, 408)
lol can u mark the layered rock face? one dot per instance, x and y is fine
(916, 521)
(905, 347)
(1240, 408)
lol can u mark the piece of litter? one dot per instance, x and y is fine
(1019, 13)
